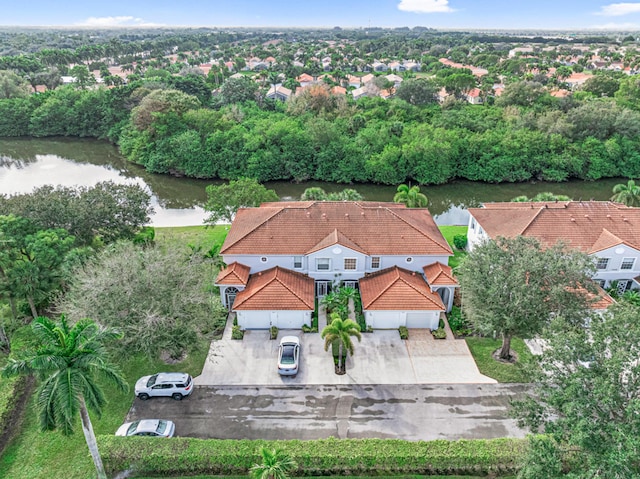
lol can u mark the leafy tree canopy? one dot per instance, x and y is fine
(586, 398)
(159, 298)
(512, 286)
(107, 210)
(224, 200)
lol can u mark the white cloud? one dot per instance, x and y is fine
(119, 21)
(425, 6)
(619, 9)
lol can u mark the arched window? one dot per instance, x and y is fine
(230, 296)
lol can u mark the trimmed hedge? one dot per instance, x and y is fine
(188, 456)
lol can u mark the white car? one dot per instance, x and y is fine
(289, 356)
(147, 427)
(175, 385)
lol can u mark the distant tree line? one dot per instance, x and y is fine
(175, 127)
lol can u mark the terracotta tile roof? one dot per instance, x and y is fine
(439, 274)
(235, 273)
(277, 289)
(295, 228)
(394, 289)
(333, 238)
(590, 226)
(603, 301)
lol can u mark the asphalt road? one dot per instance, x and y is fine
(412, 412)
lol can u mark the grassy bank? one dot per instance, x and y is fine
(449, 232)
(34, 454)
(204, 237)
(482, 350)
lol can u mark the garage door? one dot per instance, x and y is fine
(417, 320)
(289, 319)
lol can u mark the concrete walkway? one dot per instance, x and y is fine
(381, 358)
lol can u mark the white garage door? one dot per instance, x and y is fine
(417, 320)
(289, 319)
(385, 319)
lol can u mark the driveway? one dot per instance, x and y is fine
(381, 358)
(411, 412)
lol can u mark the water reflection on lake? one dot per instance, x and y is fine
(29, 163)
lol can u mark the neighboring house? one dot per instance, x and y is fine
(577, 79)
(380, 67)
(610, 232)
(278, 92)
(367, 78)
(412, 66)
(354, 81)
(359, 93)
(395, 79)
(474, 96)
(281, 256)
(304, 79)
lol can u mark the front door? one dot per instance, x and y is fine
(322, 288)
(230, 296)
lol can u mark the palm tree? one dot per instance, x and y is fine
(68, 362)
(340, 332)
(628, 194)
(410, 197)
(276, 464)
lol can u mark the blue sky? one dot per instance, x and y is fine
(538, 14)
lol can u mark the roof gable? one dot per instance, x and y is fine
(439, 274)
(398, 289)
(334, 238)
(277, 288)
(235, 273)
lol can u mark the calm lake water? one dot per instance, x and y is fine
(28, 163)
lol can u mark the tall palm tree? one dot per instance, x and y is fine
(276, 464)
(410, 197)
(340, 332)
(628, 194)
(68, 362)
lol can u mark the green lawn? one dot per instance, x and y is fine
(204, 237)
(34, 454)
(449, 232)
(482, 350)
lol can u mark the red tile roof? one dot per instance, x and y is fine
(590, 226)
(277, 289)
(439, 274)
(295, 228)
(397, 289)
(235, 273)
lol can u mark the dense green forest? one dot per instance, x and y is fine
(175, 127)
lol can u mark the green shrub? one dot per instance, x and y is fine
(188, 456)
(146, 236)
(457, 322)
(404, 332)
(309, 329)
(237, 333)
(460, 241)
(439, 333)
(273, 332)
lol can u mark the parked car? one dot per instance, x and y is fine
(289, 355)
(175, 385)
(147, 427)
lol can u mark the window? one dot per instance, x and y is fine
(323, 264)
(602, 263)
(297, 262)
(375, 262)
(409, 259)
(601, 282)
(627, 263)
(473, 224)
(263, 259)
(350, 263)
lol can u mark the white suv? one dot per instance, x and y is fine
(175, 385)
